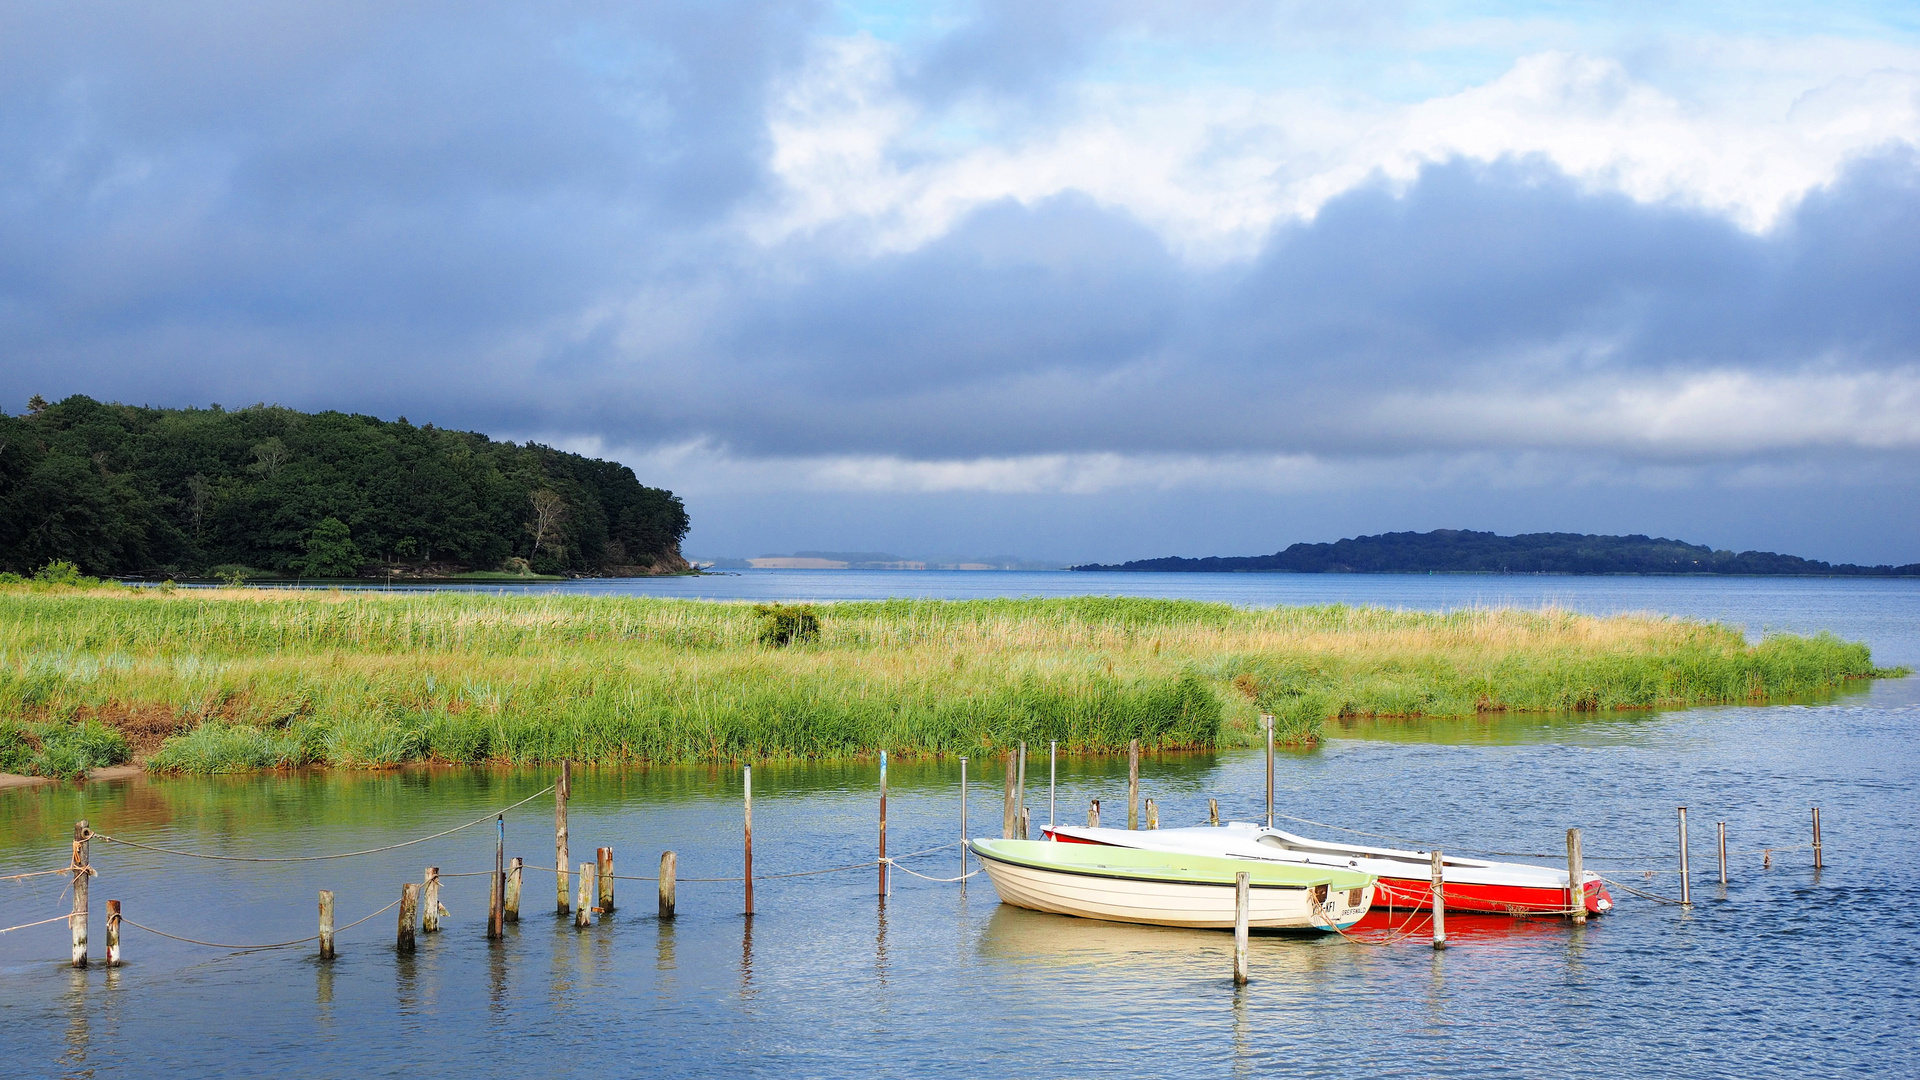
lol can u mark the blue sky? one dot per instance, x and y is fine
(1080, 280)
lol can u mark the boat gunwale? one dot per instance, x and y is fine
(1372, 879)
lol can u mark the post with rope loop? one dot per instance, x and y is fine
(497, 886)
(430, 901)
(113, 933)
(326, 924)
(883, 824)
(77, 922)
(603, 858)
(1133, 783)
(1576, 878)
(1438, 900)
(583, 913)
(1242, 889)
(562, 788)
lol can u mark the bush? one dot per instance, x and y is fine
(227, 748)
(782, 625)
(61, 750)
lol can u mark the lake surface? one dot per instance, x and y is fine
(1785, 971)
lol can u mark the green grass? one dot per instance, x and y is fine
(251, 679)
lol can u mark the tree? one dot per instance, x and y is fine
(199, 497)
(36, 405)
(268, 456)
(549, 513)
(330, 551)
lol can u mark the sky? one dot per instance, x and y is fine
(1076, 280)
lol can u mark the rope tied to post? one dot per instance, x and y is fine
(488, 816)
(255, 948)
(42, 922)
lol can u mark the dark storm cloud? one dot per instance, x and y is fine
(525, 222)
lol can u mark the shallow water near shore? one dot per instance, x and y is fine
(1784, 971)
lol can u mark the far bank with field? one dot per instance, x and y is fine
(240, 679)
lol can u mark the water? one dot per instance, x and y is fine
(1784, 972)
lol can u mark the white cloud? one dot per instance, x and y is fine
(1739, 127)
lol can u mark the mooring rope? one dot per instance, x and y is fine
(489, 816)
(924, 877)
(255, 948)
(42, 922)
(38, 873)
(1644, 894)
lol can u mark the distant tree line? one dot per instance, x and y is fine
(1461, 551)
(125, 490)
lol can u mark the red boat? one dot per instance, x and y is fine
(1406, 877)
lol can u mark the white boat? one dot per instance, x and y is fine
(1168, 888)
(1406, 877)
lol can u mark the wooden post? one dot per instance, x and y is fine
(1438, 901)
(1153, 815)
(604, 856)
(1686, 869)
(516, 870)
(669, 869)
(77, 922)
(1242, 900)
(1053, 749)
(883, 823)
(326, 924)
(1576, 878)
(409, 916)
(1006, 802)
(1819, 851)
(1093, 814)
(1267, 718)
(748, 794)
(1023, 823)
(430, 902)
(497, 885)
(1020, 783)
(562, 788)
(963, 817)
(583, 912)
(1213, 811)
(113, 933)
(1723, 853)
(1133, 783)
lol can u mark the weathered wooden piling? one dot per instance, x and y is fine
(1819, 850)
(77, 922)
(1133, 783)
(1242, 902)
(583, 911)
(113, 933)
(430, 901)
(1153, 815)
(1008, 807)
(883, 823)
(1686, 869)
(1053, 753)
(1723, 853)
(604, 858)
(963, 817)
(516, 870)
(1437, 900)
(1020, 781)
(747, 794)
(409, 917)
(562, 789)
(1023, 823)
(497, 885)
(326, 924)
(1266, 720)
(1213, 811)
(669, 870)
(1093, 813)
(1576, 878)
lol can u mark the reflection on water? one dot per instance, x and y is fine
(828, 980)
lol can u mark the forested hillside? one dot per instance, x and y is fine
(1464, 551)
(120, 489)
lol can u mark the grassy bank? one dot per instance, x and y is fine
(210, 681)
